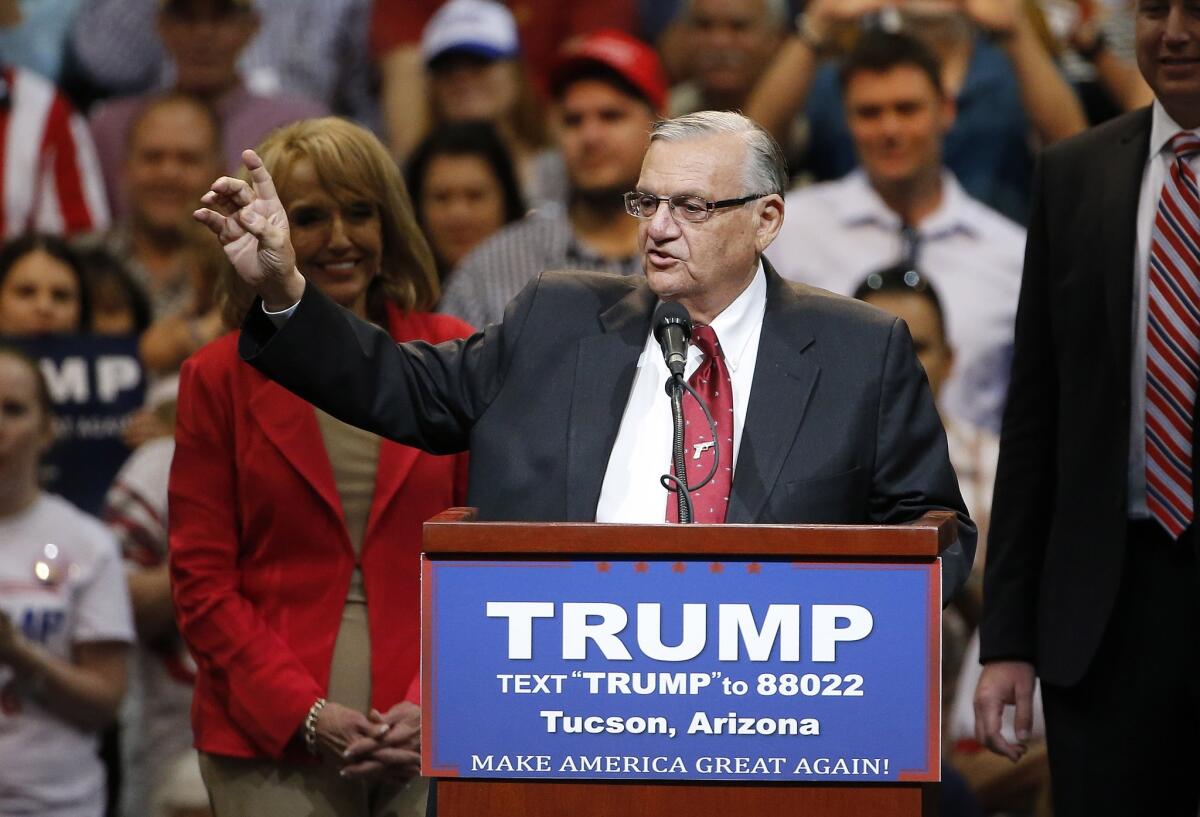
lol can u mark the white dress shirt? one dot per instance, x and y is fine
(1158, 165)
(836, 233)
(641, 454)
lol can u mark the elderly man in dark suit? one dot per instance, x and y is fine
(823, 413)
(1091, 580)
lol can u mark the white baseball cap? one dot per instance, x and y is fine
(482, 27)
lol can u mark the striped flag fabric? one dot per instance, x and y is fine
(50, 178)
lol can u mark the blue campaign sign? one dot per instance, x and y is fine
(766, 671)
(95, 382)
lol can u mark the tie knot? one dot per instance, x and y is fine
(1185, 144)
(705, 339)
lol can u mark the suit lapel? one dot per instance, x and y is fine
(1116, 244)
(291, 426)
(605, 366)
(783, 382)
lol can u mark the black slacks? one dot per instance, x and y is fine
(1125, 740)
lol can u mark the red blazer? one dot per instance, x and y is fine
(260, 557)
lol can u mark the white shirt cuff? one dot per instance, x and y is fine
(280, 318)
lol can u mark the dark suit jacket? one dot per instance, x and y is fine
(1059, 515)
(841, 427)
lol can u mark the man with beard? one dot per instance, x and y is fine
(609, 89)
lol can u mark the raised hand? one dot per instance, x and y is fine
(822, 16)
(1000, 17)
(250, 222)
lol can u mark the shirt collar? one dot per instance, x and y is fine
(735, 327)
(738, 323)
(1162, 129)
(865, 206)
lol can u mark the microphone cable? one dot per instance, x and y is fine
(675, 386)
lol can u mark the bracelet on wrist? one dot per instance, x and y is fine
(310, 725)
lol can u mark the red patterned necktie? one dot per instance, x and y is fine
(1173, 342)
(711, 381)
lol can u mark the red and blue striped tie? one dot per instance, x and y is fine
(1173, 342)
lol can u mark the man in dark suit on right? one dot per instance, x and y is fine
(1091, 581)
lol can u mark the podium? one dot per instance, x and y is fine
(655, 556)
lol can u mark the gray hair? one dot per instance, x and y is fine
(766, 168)
(777, 11)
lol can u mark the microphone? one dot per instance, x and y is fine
(672, 330)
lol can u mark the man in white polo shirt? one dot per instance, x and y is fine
(902, 206)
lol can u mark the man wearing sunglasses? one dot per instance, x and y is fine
(822, 411)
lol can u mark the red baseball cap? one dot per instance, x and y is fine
(627, 56)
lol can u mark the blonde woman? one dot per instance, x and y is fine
(294, 537)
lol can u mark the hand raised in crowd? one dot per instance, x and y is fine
(1004, 683)
(1088, 26)
(998, 17)
(397, 753)
(250, 222)
(822, 16)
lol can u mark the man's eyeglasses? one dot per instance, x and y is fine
(683, 207)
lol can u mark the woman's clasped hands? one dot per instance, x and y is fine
(376, 745)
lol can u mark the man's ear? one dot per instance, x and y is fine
(768, 220)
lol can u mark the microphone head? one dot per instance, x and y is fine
(671, 313)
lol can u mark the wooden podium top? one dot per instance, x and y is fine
(455, 531)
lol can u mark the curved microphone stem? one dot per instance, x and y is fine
(678, 482)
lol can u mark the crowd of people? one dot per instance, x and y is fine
(212, 566)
